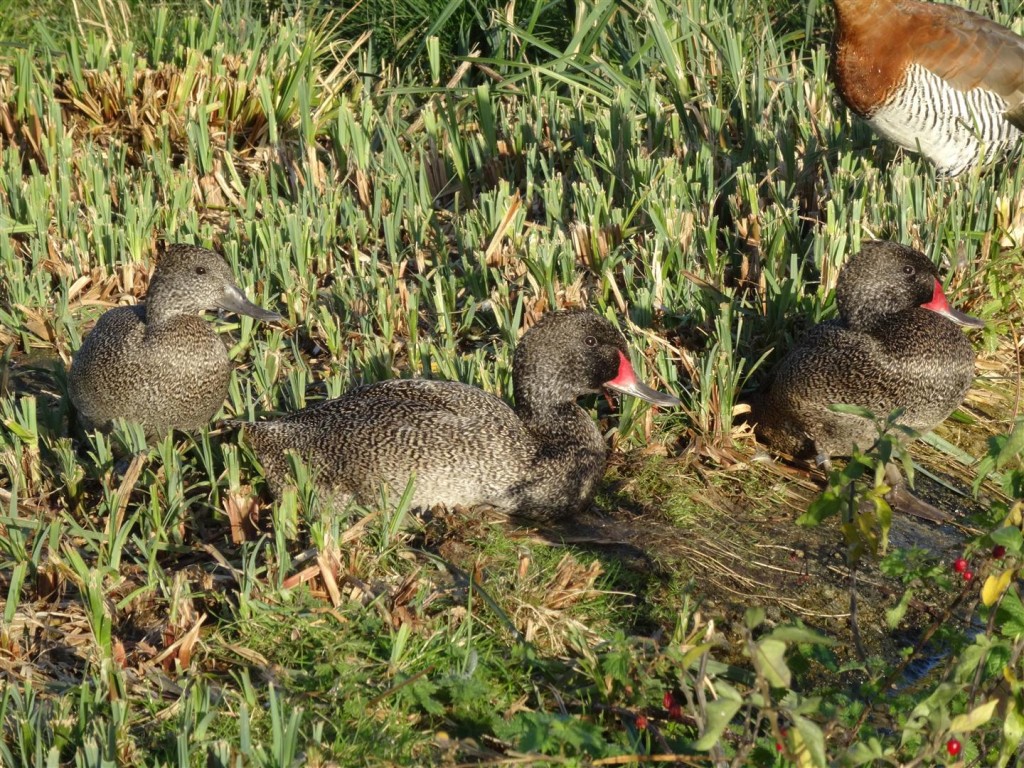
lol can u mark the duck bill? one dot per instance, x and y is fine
(233, 300)
(940, 305)
(627, 384)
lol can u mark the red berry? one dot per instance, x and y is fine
(783, 732)
(675, 712)
(668, 700)
(959, 565)
(968, 575)
(953, 747)
(641, 723)
(998, 551)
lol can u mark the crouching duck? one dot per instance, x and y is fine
(897, 343)
(461, 446)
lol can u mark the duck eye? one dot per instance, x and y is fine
(200, 270)
(908, 270)
(590, 341)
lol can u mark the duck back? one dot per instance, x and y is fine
(458, 444)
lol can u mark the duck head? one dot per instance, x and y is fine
(190, 280)
(573, 353)
(887, 278)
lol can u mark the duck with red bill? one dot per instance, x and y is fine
(460, 446)
(896, 345)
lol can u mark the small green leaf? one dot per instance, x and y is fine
(1013, 446)
(1010, 537)
(822, 508)
(772, 663)
(895, 614)
(976, 718)
(18, 430)
(14, 591)
(719, 714)
(791, 634)
(1010, 615)
(754, 617)
(1013, 733)
(863, 752)
(811, 752)
(853, 410)
(691, 656)
(985, 466)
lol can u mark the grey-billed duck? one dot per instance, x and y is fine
(460, 445)
(897, 343)
(160, 363)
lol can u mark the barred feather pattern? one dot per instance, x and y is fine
(954, 129)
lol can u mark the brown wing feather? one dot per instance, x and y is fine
(969, 51)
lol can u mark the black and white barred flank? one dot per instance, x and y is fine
(954, 129)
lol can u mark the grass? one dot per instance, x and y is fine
(683, 168)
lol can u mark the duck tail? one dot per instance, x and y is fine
(772, 431)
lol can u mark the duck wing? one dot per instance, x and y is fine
(103, 364)
(970, 51)
(832, 364)
(457, 440)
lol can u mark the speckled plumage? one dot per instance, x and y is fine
(885, 351)
(462, 445)
(161, 363)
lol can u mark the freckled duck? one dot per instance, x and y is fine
(930, 77)
(463, 446)
(161, 363)
(896, 343)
